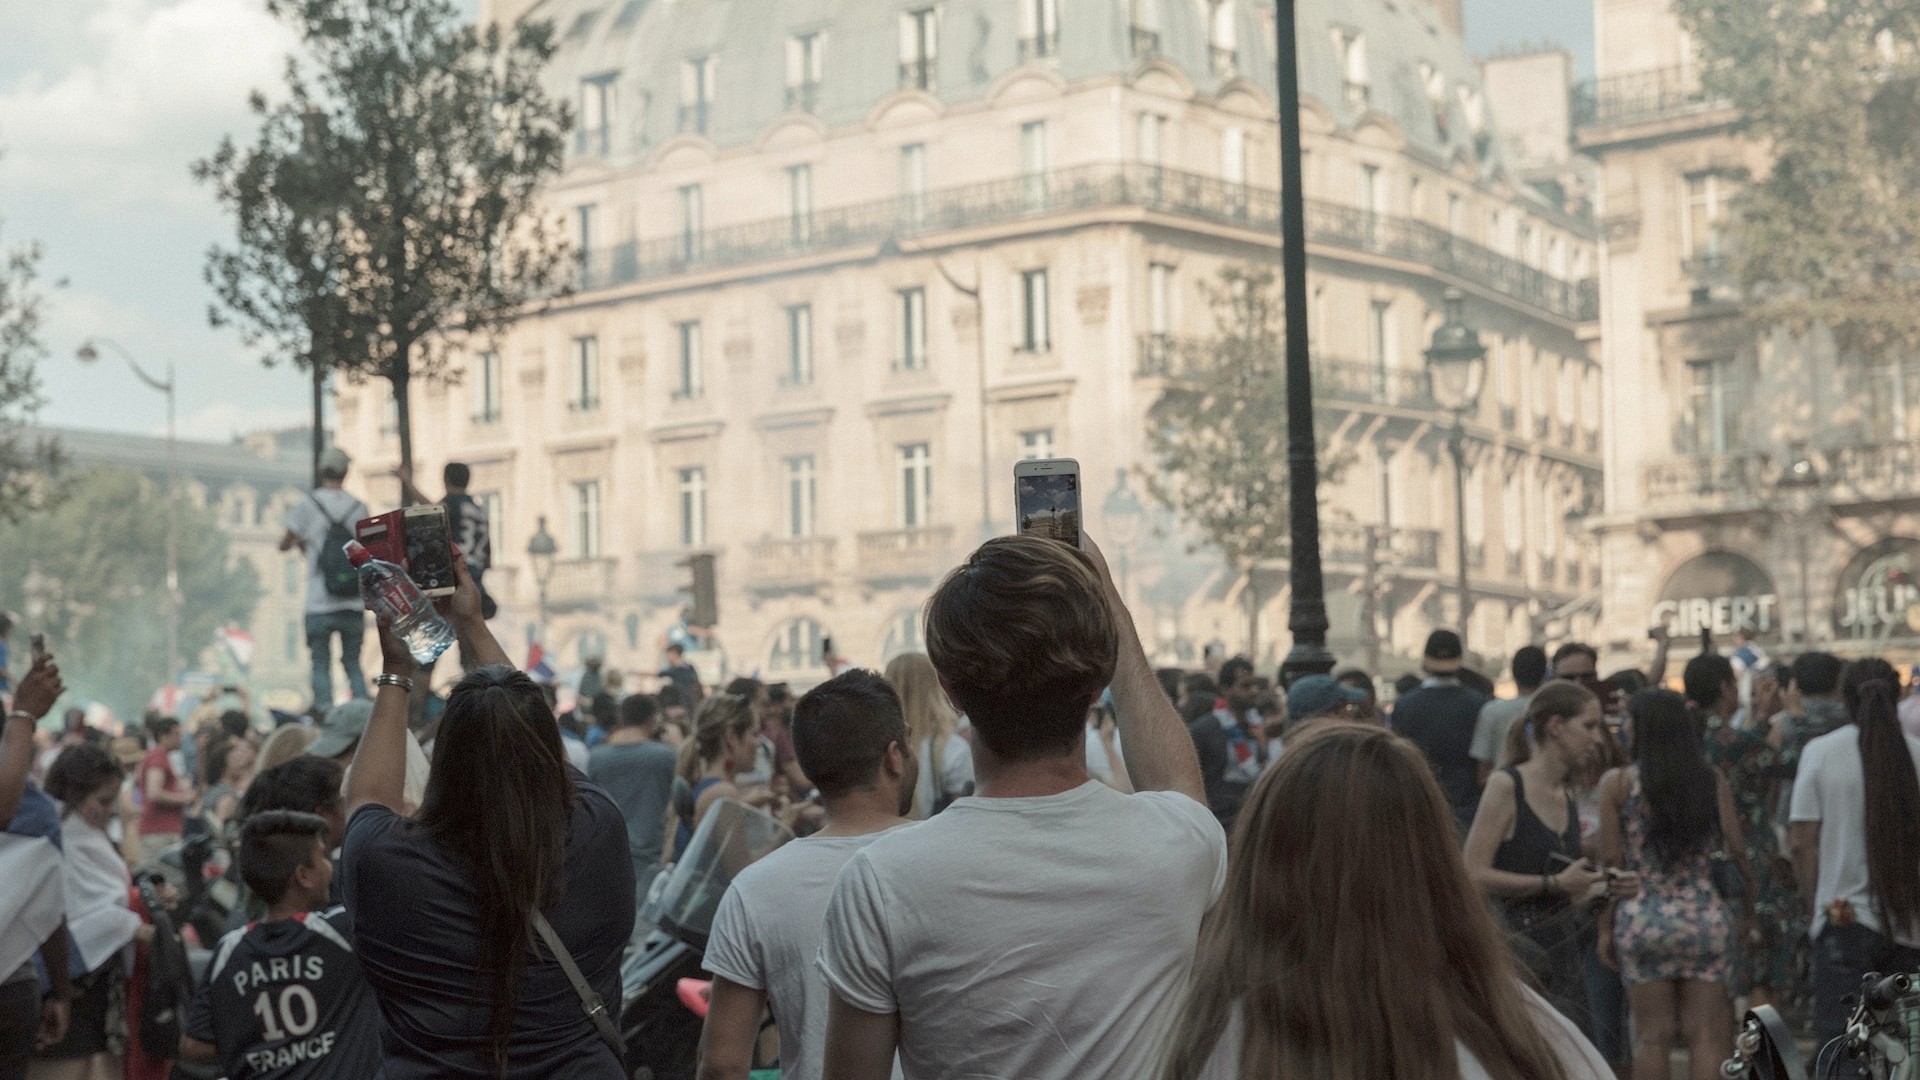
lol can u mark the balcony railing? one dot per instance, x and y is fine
(1702, 482)
(1874, 472)
(1145, 42)
(592, 142)
(794, 562)
(580, 583)
(1333, 379)
(1344, 547)
(1090, 187)
(1641, 96)
(804, 97)
(1039, 46)
(916, 74)
(693, 117)
(905, 554)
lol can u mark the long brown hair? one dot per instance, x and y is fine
(509, 829)
(930, 718)
(1892, 794)
(1354, 968)
(717, 717)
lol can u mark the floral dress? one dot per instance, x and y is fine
(1756, 771)
(1678, 927)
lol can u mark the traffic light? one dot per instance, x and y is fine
(706, 607)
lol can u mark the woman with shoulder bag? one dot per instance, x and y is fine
(490, 922)
(1670, 816)
(1524, 847)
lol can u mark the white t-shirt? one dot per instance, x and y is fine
(1043, 938)
(1831, 789)
(767, 933)
(306, 521)
(956, 768)
(1576, 1054)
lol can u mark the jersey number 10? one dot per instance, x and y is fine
(281, 1023)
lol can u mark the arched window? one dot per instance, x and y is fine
(795, 653)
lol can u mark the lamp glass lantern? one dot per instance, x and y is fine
(541, 550)
(1456, 358)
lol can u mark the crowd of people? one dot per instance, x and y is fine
(1023, 853)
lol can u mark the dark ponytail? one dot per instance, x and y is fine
(1682, 791)
(498, 799)
(1892, 791)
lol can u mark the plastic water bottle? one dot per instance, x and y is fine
(389, 592)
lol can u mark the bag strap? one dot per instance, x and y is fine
(323, 511)
(595, 1008)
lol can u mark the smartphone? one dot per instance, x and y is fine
(429, 547)
(1046, 495)
(37, 643)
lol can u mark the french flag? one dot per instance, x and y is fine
(537, 667)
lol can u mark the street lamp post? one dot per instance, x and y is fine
(540, 552)
(88, 354)
(1122, 514)
(1307, 610)
(1801, 483)
(1457, 358)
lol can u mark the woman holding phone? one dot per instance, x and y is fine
(508, 840)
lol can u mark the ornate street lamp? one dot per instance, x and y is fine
(1801, 482)
(1458, 364)
(1123, 516)
(540, 552)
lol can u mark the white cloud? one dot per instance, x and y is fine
(165, 79)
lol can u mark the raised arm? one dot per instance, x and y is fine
(478, 646)
(1159, 752)
(38, 691)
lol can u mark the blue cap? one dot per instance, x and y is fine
(1317, 695)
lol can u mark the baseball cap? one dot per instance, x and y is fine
(334, 460)
(1444, 652)
(1316, 695)
(343, 727)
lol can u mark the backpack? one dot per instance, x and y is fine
(169, 982)
(337, 573)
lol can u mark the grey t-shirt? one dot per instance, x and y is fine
(767, 933)
(307, 521)
(1490, 731)
(639, 777)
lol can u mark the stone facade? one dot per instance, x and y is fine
(842, 268)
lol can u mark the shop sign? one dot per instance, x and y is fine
(1719, 593)
(1878, 594)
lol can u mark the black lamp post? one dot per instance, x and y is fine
(1307, 611)
(1457, 360)
(540, 552)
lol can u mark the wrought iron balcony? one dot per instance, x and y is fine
(1641, 96)
(804, 97)
(693, 117)
(1344, 547)
(1145, 42)
(790, 563)
(921, 554)
(1039, 46)
(916, 74)
(1703, 483)
(1161, 190)
(592, 142)
(1333, 379)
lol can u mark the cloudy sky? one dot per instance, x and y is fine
(103, 105)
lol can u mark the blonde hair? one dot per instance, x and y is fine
(717, 717)
(288, 741)
(1351, 968)
(930, 718)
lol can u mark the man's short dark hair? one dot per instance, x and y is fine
(235, 723)
(162, 726)
(307, 784)
(779, 693)
(1169, 681)
(1706, 677)
(677, 649)
(1530, 666)
(1818, 673)
(456, 474)
(1574, 648)
(639, 711)
(842, 728)
(1022, 637)
(1231, 671)
(745, 686)
(1200, 684)
(672, 697)
(273, 845)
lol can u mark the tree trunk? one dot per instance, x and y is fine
(1253, 615)
(319, 417)
(400, 375)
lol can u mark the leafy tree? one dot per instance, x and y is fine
(1219, 430)
(102, 550)
(387, 211)
(1828, 236)
(27, 460)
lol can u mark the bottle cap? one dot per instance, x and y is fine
(356, 554)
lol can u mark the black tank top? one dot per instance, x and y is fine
(1533, 845)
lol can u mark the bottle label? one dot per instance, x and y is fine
(399, 604)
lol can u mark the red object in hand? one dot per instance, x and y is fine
(696, 995)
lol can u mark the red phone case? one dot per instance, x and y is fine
(384, 536)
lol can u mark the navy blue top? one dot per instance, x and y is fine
(414, 927)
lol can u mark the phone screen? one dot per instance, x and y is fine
(430, 550)
(38, 643)
(1048, 504)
